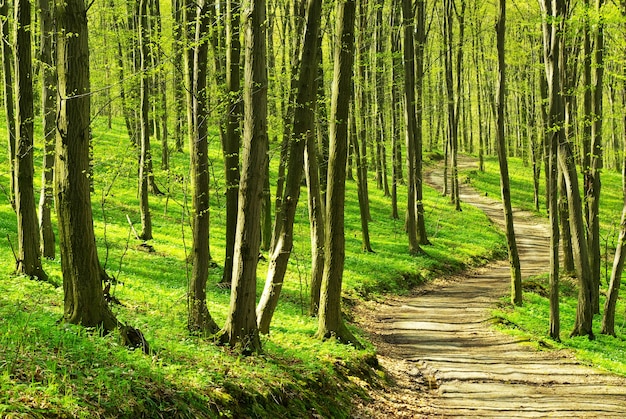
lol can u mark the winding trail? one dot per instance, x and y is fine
(447, 361)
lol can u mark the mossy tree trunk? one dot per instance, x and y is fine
(240, 330)
(331, 323)
(84, 302)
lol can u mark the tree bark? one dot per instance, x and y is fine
(29, 261)
(554, 14)
(303, 130)
(84, 302)
(48, 110)
(411, 125)
(420, 221)
(232, 139)
(199, 318)
(593, 185)
(330, 320)
(144, 119)
(240, 330)
(505, 188)
(9, 105)
(608, 318)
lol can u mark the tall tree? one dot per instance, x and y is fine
(82, 275)
(241, 329)
(451, 87)
(554, 12)
(144, 122)
(48, 111)
(505, 188)
(380, 124)
(421, 35)
(199, 318)
(593, 183)
(608, 317)
(29, 260)
(410, 116)
(303, 129)
(330, 319)
(232, 137)
(9, 106)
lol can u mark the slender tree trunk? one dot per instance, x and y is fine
(554, 13)
(29, 261)
(505, 188)
(144, 154)
(178, 73)
(608, 319)
(232, 139)
(303, 128)
(593, 185)
(410, 117)
(362, 106)
(48, 110)
(366, 245)
(330, 318)
(316, 220)
(9, 106)
(420, 222)
(240, 330)
(396, 70)
(379, 100)
(199, 318)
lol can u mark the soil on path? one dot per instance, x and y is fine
(446, 360)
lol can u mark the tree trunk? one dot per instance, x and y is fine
(316, 220)
(410, 117)
(9, 106)
(593, 185)
(48, 110)
(379, 100)
(366, 245)
(178, 73)
(396, 69)
(330, 319)
(505, 188)
(232, 139)
(240, 330)
(199, 318)
(608, 318)
(420, 222)
(29, 261)
(554, 15)
(82, 275)
(303, 130)
(144, 154)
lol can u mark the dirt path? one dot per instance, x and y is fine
(447, 361)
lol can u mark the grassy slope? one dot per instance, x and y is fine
(49, 368)
(533, 318)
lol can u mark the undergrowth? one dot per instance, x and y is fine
(52, 369)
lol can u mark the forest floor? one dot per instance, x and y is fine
(445, 358)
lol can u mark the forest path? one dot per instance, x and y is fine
(447, 361)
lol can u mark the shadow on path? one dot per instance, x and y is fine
(447, 360)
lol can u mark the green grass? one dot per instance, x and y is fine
(48, 368)
(533, 318)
